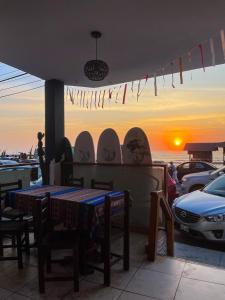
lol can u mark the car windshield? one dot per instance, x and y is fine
(216, 187)
(217, 171)
(8, 162)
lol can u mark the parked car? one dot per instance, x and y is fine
(172, 190)
(193, 182)
(4, 162)
(16, 166)
(202, 213)
(193, 167)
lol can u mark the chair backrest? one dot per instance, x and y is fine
(76, 182)
(115, 206)
(41, 216)
(8, 187)
(102, 185)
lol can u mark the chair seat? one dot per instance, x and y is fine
(12, 213)
(61, 239)
(11, 226)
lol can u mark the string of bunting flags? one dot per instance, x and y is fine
(98, 97)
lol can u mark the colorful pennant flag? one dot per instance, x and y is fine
(124, 93)
(172, 77)
(103, 99)
(155, 85)
(222, 37)
(202, 56)
(212, 49)
(96, 99)
(181, 70)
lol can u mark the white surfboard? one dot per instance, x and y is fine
(84, 148)
(136, 148)
(109, 150)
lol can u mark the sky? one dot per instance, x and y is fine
(192, 112)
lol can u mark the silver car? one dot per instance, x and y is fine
(202, 213)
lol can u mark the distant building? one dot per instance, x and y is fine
(203, 151)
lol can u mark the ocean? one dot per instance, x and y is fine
(182, 156)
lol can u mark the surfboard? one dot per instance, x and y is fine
(84, 148)
(64, 154)
(136, 148)
(109, 150)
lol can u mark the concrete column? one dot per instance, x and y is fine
(54, 117)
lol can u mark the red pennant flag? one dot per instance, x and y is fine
(124, 93)
(146, 78)
(202, 56)
(110, 94)
(181, 70)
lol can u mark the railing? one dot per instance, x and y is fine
(18, 165)
(159, 199)
(34, 170)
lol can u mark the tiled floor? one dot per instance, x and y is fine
(166, 279)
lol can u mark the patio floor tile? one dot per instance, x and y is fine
(16, 296)
(132, 296)
(53, 290)
(4, 293)
(93, 291)
(199, 290)
(204, 273)
(119, 277)
(13, 279)
(154, 284)
(166, 265)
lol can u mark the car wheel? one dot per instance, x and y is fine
(196, 187)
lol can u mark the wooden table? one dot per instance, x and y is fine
(65, 202)
(23, 199)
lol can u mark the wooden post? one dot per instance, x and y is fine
(153, 227)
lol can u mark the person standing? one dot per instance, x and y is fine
(173, 171)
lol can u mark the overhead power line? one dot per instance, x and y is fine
(6, 79)
(11, 87)
(15, 79)
(37, 87)
(9, 73)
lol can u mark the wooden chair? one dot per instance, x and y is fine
(9, 213)
(76, 182)
(104, 237)
(13, 229)
(49, 239)
(102, 185)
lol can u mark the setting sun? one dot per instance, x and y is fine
(177, 142)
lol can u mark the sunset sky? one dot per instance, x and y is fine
(192, 112)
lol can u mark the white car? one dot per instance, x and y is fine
(202, 213)
(196, 181)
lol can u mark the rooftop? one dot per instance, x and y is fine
(138, 38)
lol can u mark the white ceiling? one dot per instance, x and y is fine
(51, 38)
